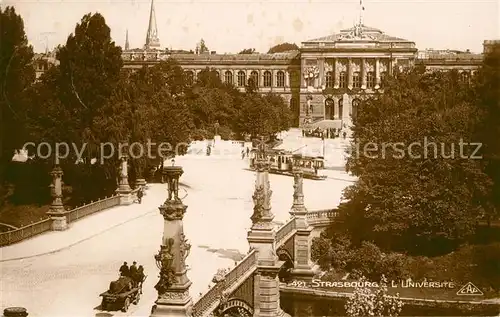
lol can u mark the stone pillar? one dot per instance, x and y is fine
(287, 79)
(261, 237)
(173, 287)
(349, 74)
(336, 74)
(124, 190)
(377, 73)
(363, 73)
(56, 211)
(345, 106)
(302, 250)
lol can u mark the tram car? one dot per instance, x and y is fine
(282, 162)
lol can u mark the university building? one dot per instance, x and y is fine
(325, 79)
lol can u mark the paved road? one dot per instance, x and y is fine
(68, 283)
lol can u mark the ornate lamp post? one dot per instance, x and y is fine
(261, 238)
(173, 286)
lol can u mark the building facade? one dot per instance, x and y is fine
(326, 79)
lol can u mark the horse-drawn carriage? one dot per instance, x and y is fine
(121, 294)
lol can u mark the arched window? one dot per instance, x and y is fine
(189, 77)
(341, 108)
(228, 77)
(370, 80)
(217, 73)
(242, 79)
(356, 80)
(254, 76)
(465, 77)
(280, 79)
(342, 79)
(329, 80)
(268, 79)
(329, 109)
(383, 76)
(355, 107)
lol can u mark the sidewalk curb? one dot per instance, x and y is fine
(79, 241)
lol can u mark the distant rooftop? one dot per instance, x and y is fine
(184, 56)
(449, 55)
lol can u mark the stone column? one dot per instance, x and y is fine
(173, 287)
(363, 73)
(336, 74)
(287, 79)
(377, 73)
(302, 250)
(56, 211)
(261, 237)
(124, 190)
(349, 74)
(345, 106)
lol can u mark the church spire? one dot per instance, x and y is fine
(152, 40)
(127, 45)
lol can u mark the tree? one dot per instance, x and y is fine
(424, 200)
(73, 95)
(16, 75)
(262, 115)
(283, 47)
(247, 51)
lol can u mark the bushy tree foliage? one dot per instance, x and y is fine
(242, 113)
(487, 99)
(16, 75)
(92, 104)
(283, 47)
(423, 197)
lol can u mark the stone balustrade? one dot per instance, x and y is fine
(208, 301)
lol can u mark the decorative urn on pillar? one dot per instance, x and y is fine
(124, 190)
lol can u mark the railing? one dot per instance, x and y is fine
(207, 301)
(285, 230)
(25, 232)
(92, 208)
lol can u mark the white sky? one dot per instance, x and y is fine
(232, 25)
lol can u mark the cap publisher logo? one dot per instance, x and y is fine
(470, 289)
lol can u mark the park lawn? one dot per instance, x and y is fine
(22, 215)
